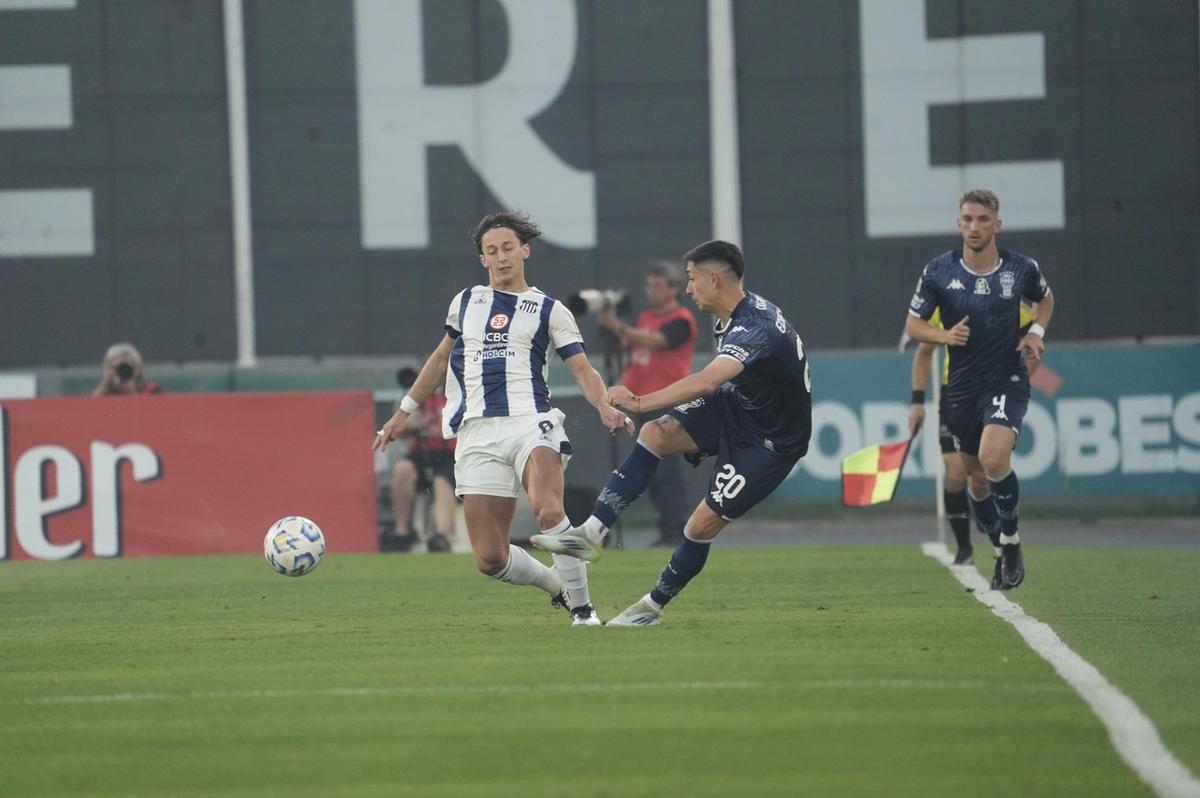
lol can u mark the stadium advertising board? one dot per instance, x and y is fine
(188, 474)
(1103, 419)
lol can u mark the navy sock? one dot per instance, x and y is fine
(1005, 493)
(626, 483)
(687, 561)
(957, 513)
(986, 517)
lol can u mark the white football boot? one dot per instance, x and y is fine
(585, 616)
(572, 541)
(642, 613)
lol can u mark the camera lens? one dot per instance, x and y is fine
(124, 372)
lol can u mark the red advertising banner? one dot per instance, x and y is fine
(187, 474)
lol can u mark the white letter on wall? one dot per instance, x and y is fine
(1146, 423)
(828, 466)
(1087, 438)
(903, 73)
(399, 117)
(106, 490)
(41, 222)
(1186, 419)
(32, 508)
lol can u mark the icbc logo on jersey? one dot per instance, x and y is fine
(499, 321)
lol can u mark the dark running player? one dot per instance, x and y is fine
(751, 407)
(954, 494)
(978, 289)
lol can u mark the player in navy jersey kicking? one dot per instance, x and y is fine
(978, 289)
(493, 360)
(751, 407)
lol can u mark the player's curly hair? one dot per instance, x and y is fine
(719, 251)
(517, 221)
(981, 196)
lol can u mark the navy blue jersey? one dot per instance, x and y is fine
(774, 388)
(993, 301)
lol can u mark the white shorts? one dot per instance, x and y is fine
(492, 452)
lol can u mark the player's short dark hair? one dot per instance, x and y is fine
(669, 271)
(517, 221)
(721, 252)
(981, 196)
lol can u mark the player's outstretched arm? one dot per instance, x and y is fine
(718, 372)
(592, 385)
(433, 374)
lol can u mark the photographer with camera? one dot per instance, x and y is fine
(428, 465)
(122, 373)
(660, 344)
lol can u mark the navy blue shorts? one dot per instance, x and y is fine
(1005, 404)
(746, 472)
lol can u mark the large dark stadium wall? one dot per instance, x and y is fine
(149, 139)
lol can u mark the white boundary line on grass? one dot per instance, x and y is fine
(1132, 734)
(937, 685)
(490, 689)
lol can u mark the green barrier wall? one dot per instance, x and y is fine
(1110, 420)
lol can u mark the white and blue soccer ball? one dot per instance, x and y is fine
(294, 546)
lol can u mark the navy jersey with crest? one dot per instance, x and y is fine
(774, 388)
(993, 302)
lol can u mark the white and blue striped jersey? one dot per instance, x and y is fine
(499, 363)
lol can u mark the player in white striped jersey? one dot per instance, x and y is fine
(494, 361)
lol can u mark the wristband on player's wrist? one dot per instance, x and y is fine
(1038, 330)
(918, 397)
(409, 405)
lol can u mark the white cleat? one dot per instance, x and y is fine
(572, 542)
(641, 613)
(585, 616)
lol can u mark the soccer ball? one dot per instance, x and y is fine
(294, 546)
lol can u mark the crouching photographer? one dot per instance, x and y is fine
(121, 373)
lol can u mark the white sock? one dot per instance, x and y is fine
(522, 569)
(594, 530)
(573, 573)
(1008, 540)
(654, 604)
(998, 551)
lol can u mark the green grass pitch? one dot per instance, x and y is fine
(801, 671)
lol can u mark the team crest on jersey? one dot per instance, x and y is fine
(981, 286)
(529, 305)
(499, 321)
(1007, 280)
(956, 284)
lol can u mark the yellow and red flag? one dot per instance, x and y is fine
(870, 475)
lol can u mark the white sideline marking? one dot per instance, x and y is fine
(1132, 734)
(396, 690)
(814, 684)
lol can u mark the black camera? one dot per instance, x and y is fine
(596, 300)
(124, 372)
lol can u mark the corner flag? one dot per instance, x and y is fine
(870, 475)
